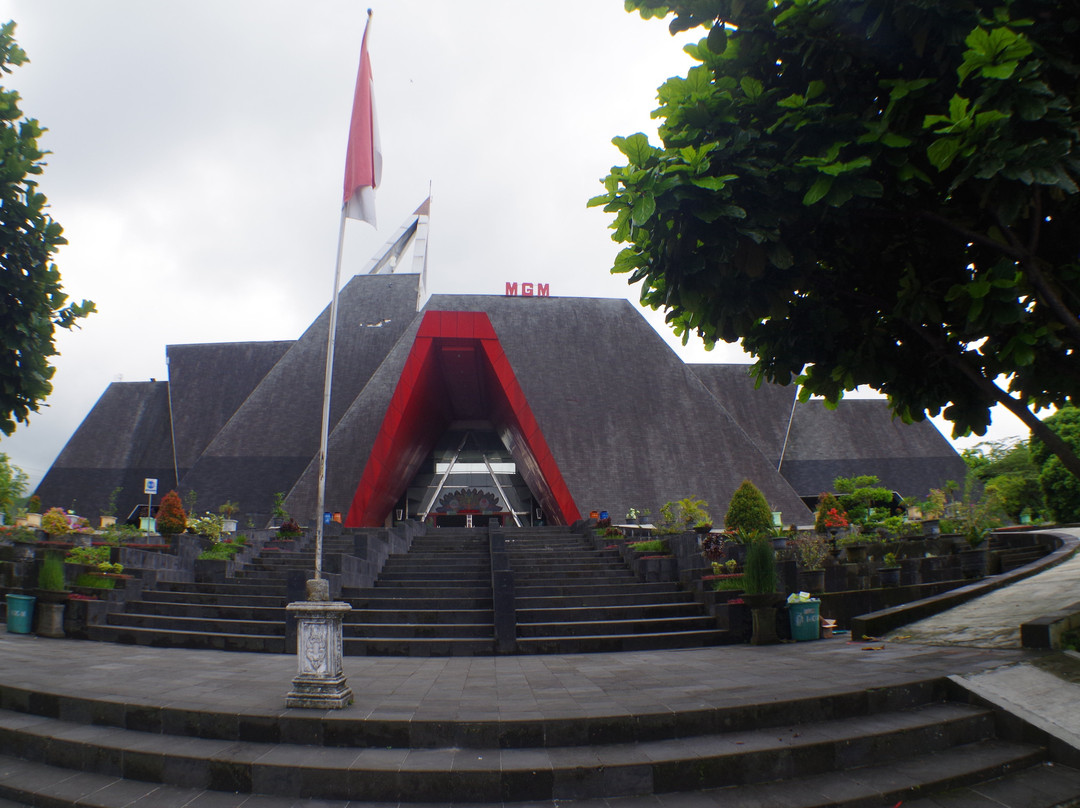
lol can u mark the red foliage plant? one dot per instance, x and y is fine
(170, 516)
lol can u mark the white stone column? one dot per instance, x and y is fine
(320, 681)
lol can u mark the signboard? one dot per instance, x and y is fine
(150, 485)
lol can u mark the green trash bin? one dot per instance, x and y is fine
(805, 620)
(20, 610)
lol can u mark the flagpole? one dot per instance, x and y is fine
(362, 171)
(325, 435)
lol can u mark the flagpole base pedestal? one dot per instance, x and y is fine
(320, 682)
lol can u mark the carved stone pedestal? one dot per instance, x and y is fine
(320, 683)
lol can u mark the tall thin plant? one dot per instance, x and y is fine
(759, 572)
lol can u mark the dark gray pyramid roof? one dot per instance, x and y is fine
(861, 436)
(123, 440)
(629, 424)
(764, 413)
(209, 382)
(274, 433)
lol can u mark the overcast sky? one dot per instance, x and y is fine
(198, 151)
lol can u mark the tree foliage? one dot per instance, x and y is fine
(32, 304)
(867, 193)
(1060, 489)
(13, 482)
(1008, 474)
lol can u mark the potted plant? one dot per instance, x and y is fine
(228, 510)
(33, 511)
(810, 553)
(51, 595)
(108, 512)
(55, 523)
(889, 574)
(171, 519)
(749, 512)
(760, 581)
(278, 514)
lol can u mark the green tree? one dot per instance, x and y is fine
(1060, 489)
(749, 511)
(13, 481)
(1008, 474)
(867, 193)
(32, 304)
(859, 496)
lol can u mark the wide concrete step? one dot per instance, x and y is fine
(214, 599)
(207, 611)
(413, 616)
(208, 625)
(418, 646)
(601, 594)
(427, 631)
(629, 612)
(585, 623)
(385, 601)
(1037, 786)
(903, 753)
(616, 643)
(243, 588)
(133, 635)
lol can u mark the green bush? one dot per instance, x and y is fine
(55, 522)
(728, 584)
(749, 512)
(759, 572)
(87, 581)
(51, 574)
(651, 546)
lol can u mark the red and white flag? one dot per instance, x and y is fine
(363, 160)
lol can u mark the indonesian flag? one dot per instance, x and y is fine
(363, 160)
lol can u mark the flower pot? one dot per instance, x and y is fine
(763, 616)
(228, 525)
(973, 563)
(855, 553)
(812, 581)
(107, 521)
(33, 519)
(889, 576)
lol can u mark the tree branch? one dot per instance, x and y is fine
(987, 386)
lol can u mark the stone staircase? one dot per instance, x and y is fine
(242, 613)
(878, 747)
(434, 600)
(572, 598)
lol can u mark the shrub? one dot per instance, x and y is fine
(33, 505)
(290, 529)
(170, 516)
(749, 511)
(209, 526)
(88, 556)
(826, 502)
(759, 574)
(51, 574)
(55, 522)
(650, 546)
(810, 550)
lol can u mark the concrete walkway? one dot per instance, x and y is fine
(1043, 690)
(993, 620)
(516, 688)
